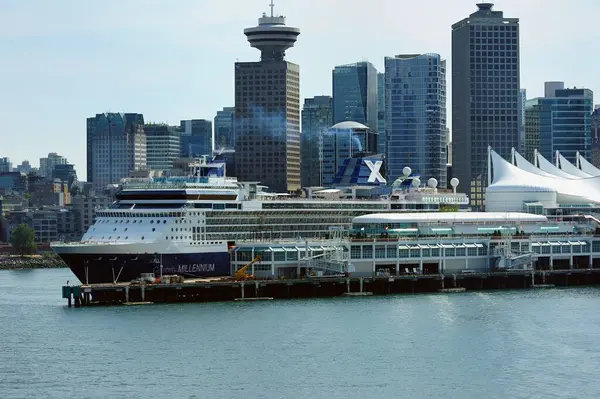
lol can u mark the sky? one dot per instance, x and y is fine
(62, 61)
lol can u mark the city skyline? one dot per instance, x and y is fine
(67, 66)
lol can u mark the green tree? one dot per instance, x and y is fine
(22, 239)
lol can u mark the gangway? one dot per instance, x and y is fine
(332, 262)
(506, 259)
(592, 217)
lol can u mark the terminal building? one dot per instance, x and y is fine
(433, 243)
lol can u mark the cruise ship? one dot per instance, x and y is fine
(190, 225)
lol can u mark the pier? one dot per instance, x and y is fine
(212, 290)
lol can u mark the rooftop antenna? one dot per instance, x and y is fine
(271, 5)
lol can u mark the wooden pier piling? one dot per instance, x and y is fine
(209, 290)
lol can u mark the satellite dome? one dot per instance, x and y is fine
(416, 182)
(454, 182)
(406, 171)
(432, 183)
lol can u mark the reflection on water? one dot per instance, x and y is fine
(515, 344)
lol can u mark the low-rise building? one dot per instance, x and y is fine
(50, 193)
(13, 182)
(86, 206)
(11, 203)
(45, 224)
(69, 225)
(50, 224)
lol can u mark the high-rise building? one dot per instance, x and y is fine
(48, 163)
(224, 129)
(66, 173)
(559, 121)
(355, 94)
(163, 145)
(595, 121)
(267, 109)
(448, 147)
(342, 141)
(25, 167)
(485, 95)
(196, 138)
(449, 174)
(381, 112)
(317, 117)
(416, 116)
(522, 101)
(116, 145)
(5, 165)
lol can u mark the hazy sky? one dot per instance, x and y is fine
(62, 61)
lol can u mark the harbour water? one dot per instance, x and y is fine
(512, 344)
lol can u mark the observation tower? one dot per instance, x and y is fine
(272, 37)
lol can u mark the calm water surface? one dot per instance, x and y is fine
(519, 344)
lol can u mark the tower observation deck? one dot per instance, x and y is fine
(272, 37)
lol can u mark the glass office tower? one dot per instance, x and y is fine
(316, 119)
(416, 116)
(355, 94)
(560, 121)
(381, 112)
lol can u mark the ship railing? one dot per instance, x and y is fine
(359, 199)
(94, 242)
(297, 242)
(276, 197)
(204, 184)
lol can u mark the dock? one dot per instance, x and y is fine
(214, 289)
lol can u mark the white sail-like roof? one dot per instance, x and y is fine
(514, 186)
(548, 167)
(524, 164)
(571, 169)
(587, 166)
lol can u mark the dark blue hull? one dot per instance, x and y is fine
(108, 268)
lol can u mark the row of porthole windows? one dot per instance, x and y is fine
(121, 221)
(184, 221)
(200, 243)
(144, 215)
(115, 229)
